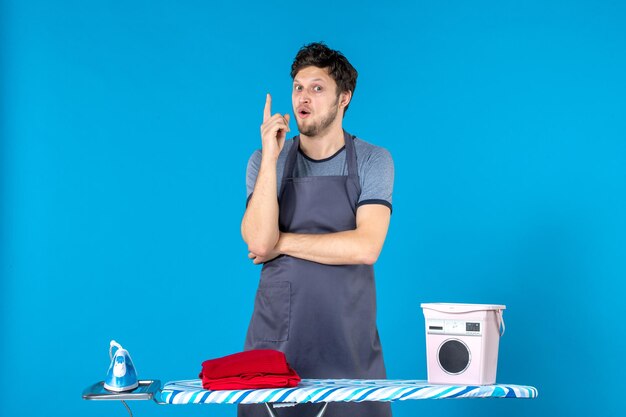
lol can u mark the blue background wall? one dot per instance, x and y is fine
(126, 128)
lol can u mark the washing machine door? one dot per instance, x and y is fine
(453, 356)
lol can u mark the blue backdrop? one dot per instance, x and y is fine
(126, 128)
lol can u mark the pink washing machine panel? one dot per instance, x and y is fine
(462, 342)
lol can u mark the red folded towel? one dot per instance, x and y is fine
(250, 369)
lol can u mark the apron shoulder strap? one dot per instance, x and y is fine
(353, 172)
(290, 163)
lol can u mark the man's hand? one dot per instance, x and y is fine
(256, 259)
(273, 131)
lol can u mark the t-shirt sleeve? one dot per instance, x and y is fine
(254, 164)
(377, 183)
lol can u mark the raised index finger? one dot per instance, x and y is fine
(267, 112)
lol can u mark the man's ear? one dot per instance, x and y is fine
(345, 98)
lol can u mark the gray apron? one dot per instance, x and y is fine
(323, 317)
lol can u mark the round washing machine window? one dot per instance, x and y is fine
(453, 356)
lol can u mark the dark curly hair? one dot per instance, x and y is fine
(319, 55)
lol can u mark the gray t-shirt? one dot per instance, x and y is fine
(375, 169)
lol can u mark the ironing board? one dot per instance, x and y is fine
(311, 391)
(331, 390)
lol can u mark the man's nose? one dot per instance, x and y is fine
(304, 97)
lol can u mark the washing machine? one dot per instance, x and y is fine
(462, 342)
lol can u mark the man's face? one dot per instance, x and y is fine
(315, 101)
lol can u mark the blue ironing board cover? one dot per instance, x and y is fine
(330, 390)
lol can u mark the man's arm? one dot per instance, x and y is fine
(259, 227)
(359, 246)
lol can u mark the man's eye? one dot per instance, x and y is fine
(297, 88)
(317, 88)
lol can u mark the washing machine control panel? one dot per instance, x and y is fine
(457, 327)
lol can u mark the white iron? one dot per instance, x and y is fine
(121, 375)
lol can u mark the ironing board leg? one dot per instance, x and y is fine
(271, 413)
(321, 413)
(269, 410)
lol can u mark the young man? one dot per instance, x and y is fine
(319, 239)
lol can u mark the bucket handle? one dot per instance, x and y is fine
(501, 326)
(116, 345)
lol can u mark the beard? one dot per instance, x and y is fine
(315, 129)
